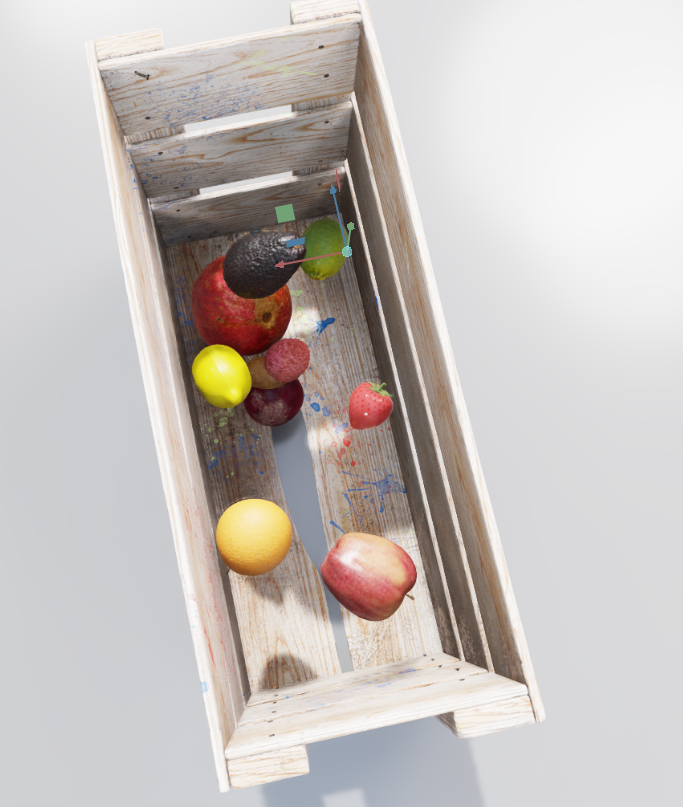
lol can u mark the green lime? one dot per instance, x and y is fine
(322, 238)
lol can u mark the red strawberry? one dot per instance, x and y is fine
(369, 406)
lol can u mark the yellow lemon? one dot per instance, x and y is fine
(222, 376)
(253, 536)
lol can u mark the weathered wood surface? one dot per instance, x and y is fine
(358, 476)
(229, 76)
(424, 422)
(371, 295)
(216, 647)
(245, 208)
(283, 617)
(350, 703)
(477, 721)
(309, 12)
(243, 150)
(261, 769)
(455, 440)
(114, 47)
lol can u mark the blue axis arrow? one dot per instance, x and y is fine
(333, 191)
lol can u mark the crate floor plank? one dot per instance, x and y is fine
(358, 476)
(284, 621)
(353, 702)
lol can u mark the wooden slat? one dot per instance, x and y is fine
(229, 76)
(243, 150)
(309, 12)
(334, 708)
(114, 47)
(216, 646)
(480, 720)
(455, 441)
(283, 617)
(437, 499)
(358, 476)
(270, 767)
(386, 363)
(244, 208)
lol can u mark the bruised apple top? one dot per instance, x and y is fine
(368, 574)
(223, 318)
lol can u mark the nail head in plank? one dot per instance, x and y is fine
(242, 151)
(230, 76)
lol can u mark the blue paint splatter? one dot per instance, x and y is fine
(213, 462)
(315, 406)
(204, 686)
(325, 323)
(338, 527)
(326, 411)
(383, 487)
(340, 427)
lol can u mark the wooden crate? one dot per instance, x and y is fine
(267, 658)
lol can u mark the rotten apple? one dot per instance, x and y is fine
(368, 574)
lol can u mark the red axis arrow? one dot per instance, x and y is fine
(282, 264)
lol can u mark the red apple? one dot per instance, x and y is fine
(369, 575)
(223, 318)
(273, 407)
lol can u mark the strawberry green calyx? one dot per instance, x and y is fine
(378, 388)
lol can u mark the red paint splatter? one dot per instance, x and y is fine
(347, 442)
(353, 462)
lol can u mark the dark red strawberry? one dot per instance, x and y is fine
(369, 406)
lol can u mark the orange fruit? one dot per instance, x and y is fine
(253, 536)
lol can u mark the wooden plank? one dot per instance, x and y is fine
(243, 150)
(114, 47)
(216, 646)
(387, 370)
(249, 207)
(358, 476)
(309, 12)
(480, 720)
(283, 617)
(455, 440)
(261, 769)
(409, 694)
(229, 76)
(432, 493)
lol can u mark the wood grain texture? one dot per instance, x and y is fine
(480, 720)
(368, 285)
(310, 12)
(502, 623)
(216, 647)
(228, 76)
(113, 47)
(358, 476)
(384, 696)
(283, 617)
(261, 769)
(249, 207)
(423, 422)
(243, 150)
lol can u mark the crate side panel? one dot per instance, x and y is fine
(189, 510)
(388, 371)
(219, 213)
(422, 425)
(272, 766)
(243, 151)
(230, 76)
(284, 621)
(499, 611)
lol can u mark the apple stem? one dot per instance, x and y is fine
(411, 596)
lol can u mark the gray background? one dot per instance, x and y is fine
(544, 141)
